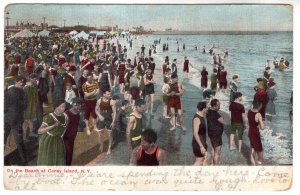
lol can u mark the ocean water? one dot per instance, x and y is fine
(247, 56)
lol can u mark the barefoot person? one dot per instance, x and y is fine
(106, 115)
(148, 153)
(176, 90)
(90, 90)
(186, 65)
(255, 124)
(215, 124)
(199, 137)
(238, 118)
(149, 89)
(135, 125)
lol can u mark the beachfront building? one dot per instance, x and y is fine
(19, 26)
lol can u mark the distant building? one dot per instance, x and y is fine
(105, 28)
(30, 26)
(53, 27)
(137, 30)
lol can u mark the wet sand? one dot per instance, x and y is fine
(177, 144)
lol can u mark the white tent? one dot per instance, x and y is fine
(124, 33)
(44, 33)
(23, 33)
(82, 35)
(101, 33)
(73, 32)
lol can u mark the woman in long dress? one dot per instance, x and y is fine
(51, 145)
(204, 74)
(272, 95)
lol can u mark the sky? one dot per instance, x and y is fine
(159, 17)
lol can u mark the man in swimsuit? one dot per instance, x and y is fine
(215, 123)
(91, 90)
(238, 118)
(176, 90)
(148, 153)
(106, 115)
(135, 125)
(199, 136)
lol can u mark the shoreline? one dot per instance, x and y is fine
(179, 32)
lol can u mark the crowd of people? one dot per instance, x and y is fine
(77, 79)
(260, 113)
(95, 86)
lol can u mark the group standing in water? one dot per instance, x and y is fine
(260, 113)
